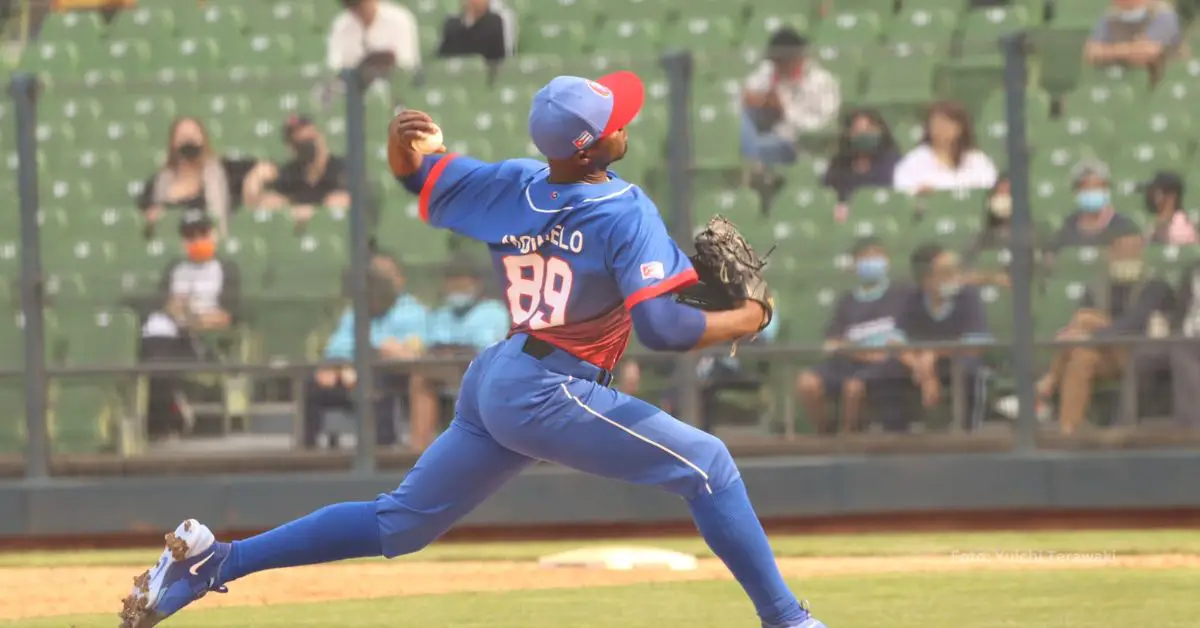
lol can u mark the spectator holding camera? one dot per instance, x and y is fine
(367, 28)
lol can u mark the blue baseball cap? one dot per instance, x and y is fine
(570, 113)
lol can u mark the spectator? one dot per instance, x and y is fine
(1164, 201)
(366, 28)
(866, 157)
(193, 176)
(398, 325)
(466, 323)
(947, 158)
(1185, 356)
(312, 177)
(1094, 218)
(713, 373)
(1129, 302)
(478, 30)
(787, 95)
(945, 310)
(1136, 33)
(864, 318)
(200, 293)
(997, 222)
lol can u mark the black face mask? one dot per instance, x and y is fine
(306, 151)
(190, 150)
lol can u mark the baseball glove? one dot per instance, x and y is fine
(729, 270)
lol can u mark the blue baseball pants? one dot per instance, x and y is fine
(513, 410)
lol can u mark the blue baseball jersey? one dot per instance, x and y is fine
(573, 259)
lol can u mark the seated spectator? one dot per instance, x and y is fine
(1136, 33)
(947, 158)
(866, 156)
(995, 235)
(945, 310)
(714, 374)
(313, 177)
(368, 28)
(1185, 356)
(398, 325)
(193, 176)
(1164, 201)
(478, 30)
(865, 318)
(1094, 218)
(466, 323)
(787, 95)
(200, 293)
(1128, 303)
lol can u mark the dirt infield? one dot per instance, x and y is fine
(40, 592)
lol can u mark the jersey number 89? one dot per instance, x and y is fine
(538, 290)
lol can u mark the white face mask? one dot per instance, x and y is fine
(1001, 206)
(1133, 15)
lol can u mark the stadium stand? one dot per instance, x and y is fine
(111, 90)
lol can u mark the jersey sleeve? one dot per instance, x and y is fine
(467, 195)
(645, 260)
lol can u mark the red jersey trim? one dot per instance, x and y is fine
(670, 284)
(435, 173)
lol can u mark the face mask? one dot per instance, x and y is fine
(201, 250)
(1092, 201)
(458, 300)
(306, 151)
(949, 290)
(190, 150)
(865, 142)
(1000, 206)
(871, 269)
(1126, 269)
(1132, 15)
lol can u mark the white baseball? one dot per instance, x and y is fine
(428, 143)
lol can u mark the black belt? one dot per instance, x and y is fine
(540, 349)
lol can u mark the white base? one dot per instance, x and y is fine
(621, 559)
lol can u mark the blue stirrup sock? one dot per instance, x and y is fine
(728, 523)
(336, 532)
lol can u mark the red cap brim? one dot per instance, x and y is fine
(628, 96)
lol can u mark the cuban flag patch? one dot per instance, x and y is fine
(653, 270)
(584, 139)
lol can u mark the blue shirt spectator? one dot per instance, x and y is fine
(404, 322)
(466, 321)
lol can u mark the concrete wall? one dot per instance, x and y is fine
(791, 487)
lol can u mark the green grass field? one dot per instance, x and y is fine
(1044, 597)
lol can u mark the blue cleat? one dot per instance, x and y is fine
(186, 571)
(808, 622)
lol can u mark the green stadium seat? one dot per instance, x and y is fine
(52, 60)
(712, 34)
(561, 10)
(921, 27)
(261, 50)
(901, 76)
(992, 127)
(861, 28)
(129, 57)
(201, 54)
(1078, 14)
(137, 22)
(82, 417)
(71, 26)
(1058, 53)
(971, 81)
(845, 63)
(294, 18)
(285, 328)
(308, 264)
(652, 10)
(555, 37)
(760, 27)
(639, 36)
(100, 336)
(1136, 160)
(717, 123)
(982, 29)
